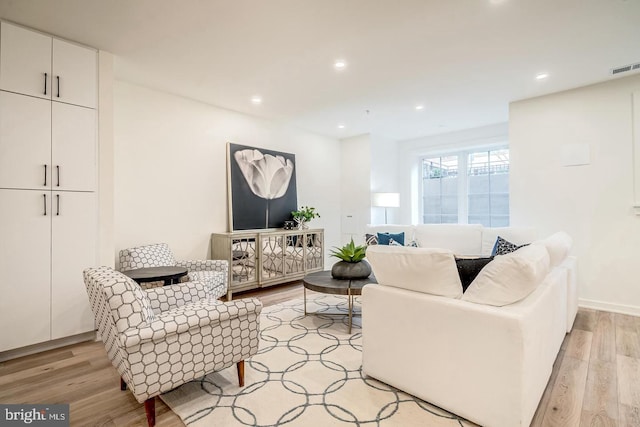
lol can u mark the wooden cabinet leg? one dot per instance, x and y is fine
(123, 385)
(150, 409)
(240, 366)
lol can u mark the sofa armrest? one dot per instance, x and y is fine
(166, 298)
(192, 316)
(205, 265)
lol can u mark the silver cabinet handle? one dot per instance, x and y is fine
(57, 204)
(58, 171)
(45, 175)
(45, 204)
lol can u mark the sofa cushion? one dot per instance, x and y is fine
(503, 247)
(517, 235)
(510, 278)
(431, 271)
(461, 239)
(371, 239)
(385, 238)
(391, 228)
(468, 269)
(558, 246)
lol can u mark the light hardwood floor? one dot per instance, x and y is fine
(595, 379)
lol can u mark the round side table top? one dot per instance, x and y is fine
(153, 274)
(322, 281)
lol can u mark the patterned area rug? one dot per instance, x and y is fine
(307, 373)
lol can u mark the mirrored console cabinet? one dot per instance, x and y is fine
(259, 258)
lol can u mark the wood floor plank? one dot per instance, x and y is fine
(627, 336)
(628, 370)
(585, 320)
(600, 404)
(629, 416)
(603, 345)
(579, 346)
(565, 404)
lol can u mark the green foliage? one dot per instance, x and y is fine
(305, 213)
(350, 252)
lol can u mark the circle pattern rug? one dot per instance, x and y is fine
(306, 373)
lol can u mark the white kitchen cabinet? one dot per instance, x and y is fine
(73, 223)
(25, 265)
(37, 64)
(25, 61)
(25, 141)
(73, 147)
(74, 74)
(48, 229)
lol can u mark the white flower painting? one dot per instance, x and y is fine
(263, 191)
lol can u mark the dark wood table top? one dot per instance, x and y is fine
(322, 281)
(155, 274)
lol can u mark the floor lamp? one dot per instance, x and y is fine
(385, 200)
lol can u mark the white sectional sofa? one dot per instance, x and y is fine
(487, 363)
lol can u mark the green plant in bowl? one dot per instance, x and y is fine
(350, 252)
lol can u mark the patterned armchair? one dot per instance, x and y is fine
(161, 338)
(214, 272)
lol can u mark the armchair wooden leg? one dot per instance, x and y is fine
(240, 366)
(150, 409)
(123, 385)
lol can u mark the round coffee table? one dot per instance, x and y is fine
(322, 281)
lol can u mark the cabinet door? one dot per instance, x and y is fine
(73, 248)
(25, 61)
(73, 147)
(74, 74)
(25, 141)
(25, 263)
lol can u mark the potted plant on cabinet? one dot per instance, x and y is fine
(303, 215)
(352, 264)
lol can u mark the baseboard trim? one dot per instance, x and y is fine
(607, 306)
(48, 345)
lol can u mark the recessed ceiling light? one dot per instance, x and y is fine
(340, 64)
(256, 100)
(420, 107)
(542, 76)
(340, 126)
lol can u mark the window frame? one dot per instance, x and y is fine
(463, 178)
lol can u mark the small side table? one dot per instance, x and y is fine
(169, 275)
(322, 281)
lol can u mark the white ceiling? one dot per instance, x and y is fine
(464, 60)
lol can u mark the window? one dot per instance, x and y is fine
(468, 187)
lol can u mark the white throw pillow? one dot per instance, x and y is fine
(510, 278)
(431, 271)
(558, 246)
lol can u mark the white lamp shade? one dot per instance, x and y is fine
(385, 200)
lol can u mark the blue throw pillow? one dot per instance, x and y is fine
(385, 238)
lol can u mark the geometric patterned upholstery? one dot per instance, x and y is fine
(212, 272)
(164, 337)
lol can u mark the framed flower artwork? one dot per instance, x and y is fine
(262, 187)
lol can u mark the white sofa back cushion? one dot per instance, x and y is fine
(510, 278)
(558, 245)
(462, 239)
(431, 271)
(516, 235)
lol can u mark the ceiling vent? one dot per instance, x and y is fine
(625, 68)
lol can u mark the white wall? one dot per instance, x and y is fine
(355, 188)
(170, 169)
(593, 203)
(385, 176)
(105, 159)
(411, 151)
